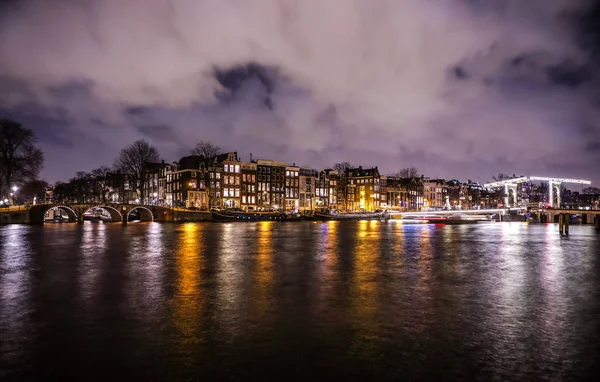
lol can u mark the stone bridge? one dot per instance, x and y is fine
(39, 213)
(118, 212)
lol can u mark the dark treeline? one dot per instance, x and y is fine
(109, 183)
(124, 180)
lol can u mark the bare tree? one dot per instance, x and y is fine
(208, 152)
(133, 160)
(33, 190)
(100, 176)
(500, 177)
(20, 160)
(408, 173)
(342, 169)
(591, 191)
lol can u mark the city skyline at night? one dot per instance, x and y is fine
(457, 89)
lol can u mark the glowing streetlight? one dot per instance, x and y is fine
(15, 188)
(137, 200)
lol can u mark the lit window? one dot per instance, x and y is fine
(287, 173)
(226, 192)
(237, 168)
(237, 193)
(226, 168)
(244, 199)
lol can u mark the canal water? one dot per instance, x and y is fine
(299, 301)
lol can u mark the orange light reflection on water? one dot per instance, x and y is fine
(330, 243)
(189, 300)
(264, 267)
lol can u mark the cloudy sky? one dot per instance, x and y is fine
(456, 88)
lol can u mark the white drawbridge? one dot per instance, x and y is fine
(510, 186)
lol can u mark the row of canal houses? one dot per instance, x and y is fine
(225, 181)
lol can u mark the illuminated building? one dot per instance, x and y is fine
(306, 190)
(405, 194)
(292, 188)
(383, 199)
(248, 186)
(185, 186)
(231, 176)
(435, 192)
(363, 190)
(271, 184)
(155, 188)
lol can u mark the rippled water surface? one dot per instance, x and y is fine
(299, 301)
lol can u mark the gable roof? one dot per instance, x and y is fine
(359, 171)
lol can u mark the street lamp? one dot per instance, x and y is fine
(155, 195)
(13, 195)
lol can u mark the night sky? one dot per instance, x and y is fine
(457, 88)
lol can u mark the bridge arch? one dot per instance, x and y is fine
(512, 197)
(115, 215)
(50, 213)
(145, 213)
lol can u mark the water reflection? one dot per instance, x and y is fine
(553, 315)
(422, 294)
(231, 277)
(15, 290)
(364, 288)
(335, 300)
(263, 270)
(330, 247)
(144, 287)
(189, 300)
(92, 252)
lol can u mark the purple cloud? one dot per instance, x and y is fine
(459, 89)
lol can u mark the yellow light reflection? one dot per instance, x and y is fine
(331, 249)
(264, 267)
(189, 300)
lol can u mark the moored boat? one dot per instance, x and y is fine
(333, 215)
(241, 216)
(450, 219)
